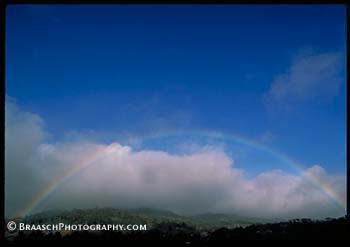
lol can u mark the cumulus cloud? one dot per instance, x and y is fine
(88, 174)
(310, 75)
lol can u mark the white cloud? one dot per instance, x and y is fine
(309, 76)
(117, 176)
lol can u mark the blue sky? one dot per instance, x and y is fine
(273, 74)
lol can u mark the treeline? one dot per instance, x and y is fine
(293, 233)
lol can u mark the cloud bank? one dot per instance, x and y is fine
(89, 174)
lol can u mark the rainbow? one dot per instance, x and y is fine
(101, 153)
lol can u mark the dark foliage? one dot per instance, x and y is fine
(331, 232)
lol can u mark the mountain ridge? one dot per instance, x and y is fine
(150, 216)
